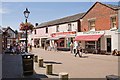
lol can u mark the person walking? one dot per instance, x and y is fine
(81, 51)
(55, 46)
(22, 48)
(11, 47)
(30, 47)
(49, 47)
(71, 47)
(46, 45)
(78, 50)
(75, 47)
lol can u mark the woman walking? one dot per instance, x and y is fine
(55, 46)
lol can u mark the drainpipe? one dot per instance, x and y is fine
(119, 27)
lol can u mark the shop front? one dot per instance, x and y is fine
(90, 41)
(43, 41)
(110, 40)
(63, 39)
(37, 42)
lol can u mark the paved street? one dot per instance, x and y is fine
(89, 66)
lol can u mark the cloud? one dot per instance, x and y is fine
(3, 11)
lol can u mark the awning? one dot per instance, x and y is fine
(87, 38)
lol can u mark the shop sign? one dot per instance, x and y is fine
(91, 33)
(63, 33)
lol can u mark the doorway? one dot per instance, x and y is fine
(108, 44)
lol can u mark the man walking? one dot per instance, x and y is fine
(78, 50)
(75, 47)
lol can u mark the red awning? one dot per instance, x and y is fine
(87, 38)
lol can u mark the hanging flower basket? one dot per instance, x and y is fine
(26, 26)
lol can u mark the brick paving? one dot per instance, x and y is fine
(89, 66)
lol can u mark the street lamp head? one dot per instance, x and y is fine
(26, 13)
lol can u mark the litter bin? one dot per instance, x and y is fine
(27, 63)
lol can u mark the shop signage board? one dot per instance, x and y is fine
(91, 33)
(63, 33)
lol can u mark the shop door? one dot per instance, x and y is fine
(108, 44)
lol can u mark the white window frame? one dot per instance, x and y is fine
(69, 27)
(57, 28)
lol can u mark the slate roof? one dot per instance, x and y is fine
(116, 7)
(5, 29)
(62, 20)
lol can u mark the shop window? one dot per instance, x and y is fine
(62, 42)
(113, 22)
(90, 44)
(36, 42)
(69, 27)
(57, 28)
(46, 29)
(35, 31)
(91, 24)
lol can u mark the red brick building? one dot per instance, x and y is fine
(101, 14)
(98, 28)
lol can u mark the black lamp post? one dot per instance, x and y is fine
(26, 14)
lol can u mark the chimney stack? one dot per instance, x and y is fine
(36, 24)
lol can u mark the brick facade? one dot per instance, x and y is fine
(101, 14)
